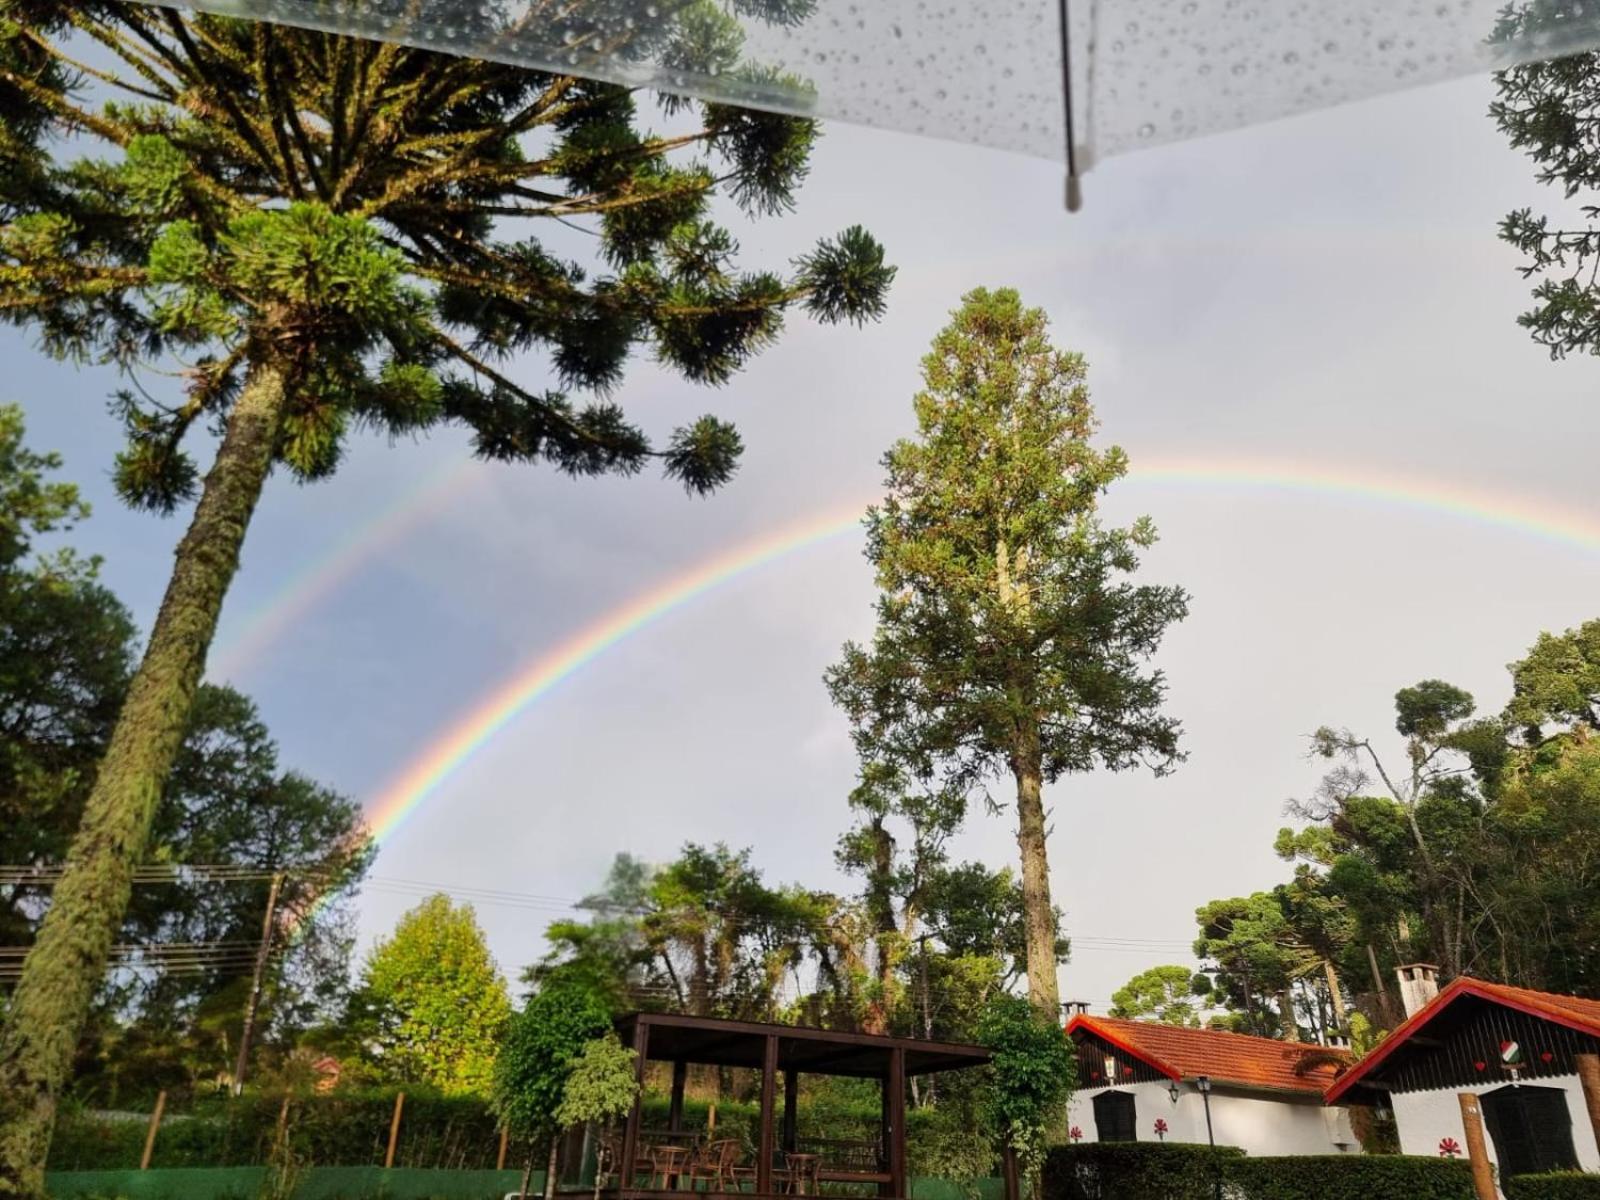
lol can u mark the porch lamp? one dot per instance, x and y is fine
(1174, 1091)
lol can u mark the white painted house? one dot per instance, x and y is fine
(1515, 1049)
(1265, 1096)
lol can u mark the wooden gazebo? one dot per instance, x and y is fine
(788, 1051)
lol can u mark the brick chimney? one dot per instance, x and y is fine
(1075, 1008)
(1419, 983)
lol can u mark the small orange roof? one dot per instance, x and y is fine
(1234, 1058)
(1572, 1011)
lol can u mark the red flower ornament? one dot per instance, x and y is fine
(1161, 1129)
(1479, 1065)
(1076, 1134)
(1449, 1147)
(1546, 1057)
(1127, 1070)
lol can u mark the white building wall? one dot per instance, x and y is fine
(1256, 1123)
(1423, 1119)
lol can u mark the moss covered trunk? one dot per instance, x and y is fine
(1038, 911)
(69, 956)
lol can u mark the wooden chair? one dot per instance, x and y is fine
(668, 1163)
(714, 1164)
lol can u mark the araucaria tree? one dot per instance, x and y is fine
(309, 233)
(1009, 639)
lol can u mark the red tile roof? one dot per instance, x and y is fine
(1572, 1011)
(1232, 1058)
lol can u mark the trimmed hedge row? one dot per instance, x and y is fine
(1180, 1171)
(1557, 1185)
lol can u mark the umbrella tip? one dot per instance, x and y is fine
(1074, 192)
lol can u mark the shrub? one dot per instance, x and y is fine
(1134, 1171)
(1351, 1177)
(1557, 1185)
(1179, 1171)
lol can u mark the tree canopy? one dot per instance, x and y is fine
(1009, 640)
(434, 1001)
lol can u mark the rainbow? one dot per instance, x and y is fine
(428, 772)
(263, 624)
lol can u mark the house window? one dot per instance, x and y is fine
(1531, 1128)
(1114, 1117)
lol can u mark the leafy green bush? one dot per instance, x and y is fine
(1557, 1185)
(1351, 1177)
(1133, 1171)
(1179, 1171)
(344, 1129)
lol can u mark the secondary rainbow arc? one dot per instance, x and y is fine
(427, 773)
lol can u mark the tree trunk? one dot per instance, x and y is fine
(1341, 1020)
(550, 1168)
(881, 899)
(1038, 912)
(69, 956)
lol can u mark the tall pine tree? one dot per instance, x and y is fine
(316, 233)
(1009, 640)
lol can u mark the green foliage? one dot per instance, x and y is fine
(1035, 1072)
(1555, 1185)
(435, 1000)
(543, 1044)
(1545, 109)
(1165, 994)
(601, 1086)
(315, 1183)
(66, 651)
(1134, 1171)
(1177, 1171)
(1008, 640)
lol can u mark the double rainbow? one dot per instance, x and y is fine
(430, 770)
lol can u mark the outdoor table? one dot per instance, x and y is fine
(669, 1162)
(802, 1169)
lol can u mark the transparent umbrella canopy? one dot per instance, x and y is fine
(1075, 80)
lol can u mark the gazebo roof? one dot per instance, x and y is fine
(674, 1037)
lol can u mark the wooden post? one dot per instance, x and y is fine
(769, 1087)
(630, 1133)
(1589, 1077)
(150, 1134)
(1008, 1169)
(394, 1129)
(1477, 1150)
(680, 1076)
(895, 1112)
(791, 1109)
(711, 1118)
(253, 997)
(500, 1158)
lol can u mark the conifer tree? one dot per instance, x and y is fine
(1009, 641)
(313, 233)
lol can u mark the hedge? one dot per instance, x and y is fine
(1134, 1171)
(350, 1183)
(315, 1183)
(1351, 1177)
(344, 1129)
(1181, 1171)
(352, 1129)
(1557, 1185)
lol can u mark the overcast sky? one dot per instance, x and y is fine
(1327, 290)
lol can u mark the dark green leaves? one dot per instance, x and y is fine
(704, 455)
(847, 278)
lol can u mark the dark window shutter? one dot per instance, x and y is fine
(1114, 1117)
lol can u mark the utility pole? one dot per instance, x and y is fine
(256, 976)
